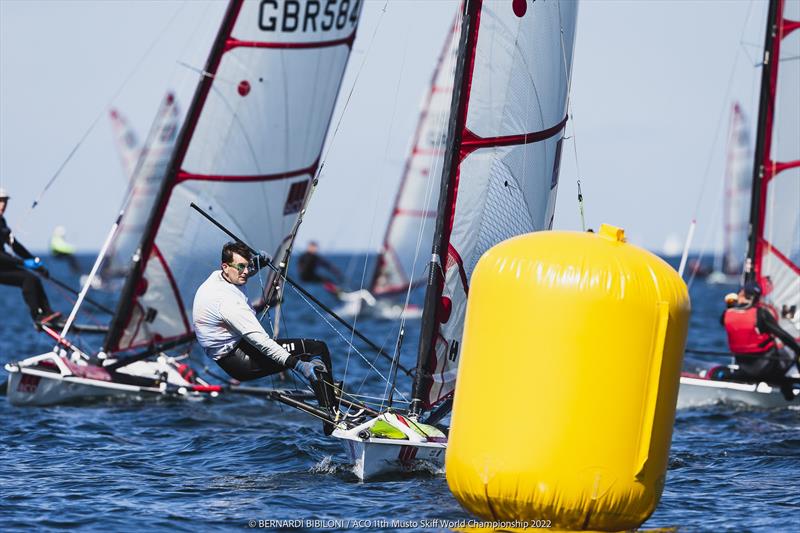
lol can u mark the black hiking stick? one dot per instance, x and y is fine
(310, 296)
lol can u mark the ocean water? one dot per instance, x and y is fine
(221, 464)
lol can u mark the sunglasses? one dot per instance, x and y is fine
(239, 266)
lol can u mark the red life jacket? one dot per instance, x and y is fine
(743, 335)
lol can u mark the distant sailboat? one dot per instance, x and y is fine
(127, 142)
(248, 151)
(773, 245)
(499, 180)
(729, 266)
(401, 262)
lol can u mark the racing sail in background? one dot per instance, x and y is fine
(500, 175)
(738, 185)
(127, 142)
(774, 247)
(146, 176)
(401, 263)
(247, 152)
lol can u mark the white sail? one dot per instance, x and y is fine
(776, 246)
(247, 153)
(738, 184)
(146, 178)
(503, 175)
(401, 263)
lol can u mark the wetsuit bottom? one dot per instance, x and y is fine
(246, 362)
(32, 290)
(770, 366)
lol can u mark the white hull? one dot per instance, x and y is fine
(364, 305)
(374, 456)
(48, 379)
(698, 391)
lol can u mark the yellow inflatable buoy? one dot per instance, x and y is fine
(568, 380)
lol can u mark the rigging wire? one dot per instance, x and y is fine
(570, 113)
(100, 114)
(712, 152)
(339, 333)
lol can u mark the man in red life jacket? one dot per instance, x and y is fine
(753, 335)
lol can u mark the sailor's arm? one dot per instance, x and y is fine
(241, 319)
(768, 324)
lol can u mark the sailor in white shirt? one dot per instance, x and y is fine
(228, 330)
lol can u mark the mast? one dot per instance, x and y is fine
(125, 304)
(763, 137)
(444, 217)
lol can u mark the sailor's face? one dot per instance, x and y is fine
(237, 270)
(3, 204)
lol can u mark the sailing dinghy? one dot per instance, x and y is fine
(400, 267)
(248, 151)
(500, 175)
(729, 266)
(773, 253)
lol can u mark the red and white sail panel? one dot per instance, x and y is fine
(506, 177)
(738, 184)
(777, 250)
(247, 154)
(404, 254)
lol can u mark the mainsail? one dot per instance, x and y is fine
(774, 247)
(500, 175)
(738, 184)
(411, 223)
(146, 175)
(247, 152)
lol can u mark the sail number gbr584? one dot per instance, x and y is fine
(296, 16)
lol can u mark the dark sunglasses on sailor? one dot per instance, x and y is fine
(239, 266)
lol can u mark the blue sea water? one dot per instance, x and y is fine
(222, 463)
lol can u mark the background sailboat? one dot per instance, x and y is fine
(400, 266)
(500, 177)
(248, 151)
(773, 247)
(729, 266)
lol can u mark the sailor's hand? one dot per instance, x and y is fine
(259, 261)
(34, 263)
(307, 368)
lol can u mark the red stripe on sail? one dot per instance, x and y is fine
(455, 257)
(772, 169)
(471, 142)
(232, 43)
(187, 176)
(174, 285)
(769, 248)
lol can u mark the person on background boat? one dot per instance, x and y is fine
(16, 269)
(61, 250)
(755, 337)
(310, 262)
(229, 331)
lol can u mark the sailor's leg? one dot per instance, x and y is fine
(32, 290)
(246, 363)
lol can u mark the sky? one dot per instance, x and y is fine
(652, 87)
